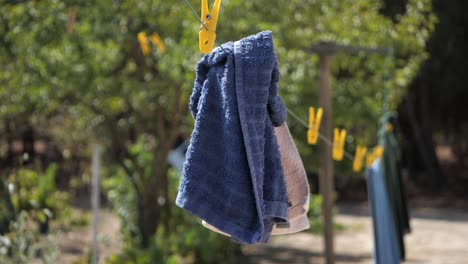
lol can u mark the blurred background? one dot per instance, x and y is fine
(118, 74)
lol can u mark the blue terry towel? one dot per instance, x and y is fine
(232, 177)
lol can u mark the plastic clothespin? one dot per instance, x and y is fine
(143, 40)
(158, 42)
(314, 125)
(358, 158)
(389, 127)
(338, 144)
(376, 153)
(207, 35)
(370, 159)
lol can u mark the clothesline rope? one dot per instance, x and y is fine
(201, 21)
(321, 136)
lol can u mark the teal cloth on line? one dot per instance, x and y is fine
(391, 162)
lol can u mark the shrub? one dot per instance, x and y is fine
(21, 245)
(184, 240)
(7, 213)
(315, 216)
(36, 192)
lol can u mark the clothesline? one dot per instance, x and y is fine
(202, 22)
(388, 199)
(321, 136)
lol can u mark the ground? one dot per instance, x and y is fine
(439, 236)
(76, 244)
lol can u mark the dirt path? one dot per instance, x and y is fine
(77, 243)
(439, 236)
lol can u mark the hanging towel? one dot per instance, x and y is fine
(391, 162)
(297, 186)
(386, 249)
(232, 176)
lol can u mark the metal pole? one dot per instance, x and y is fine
(95, 170)
(326, 174)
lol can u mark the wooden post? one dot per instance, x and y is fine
(327, 172)
(325, 51)
(95, 170)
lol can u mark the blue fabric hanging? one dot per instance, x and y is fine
(386, 250)
(391, 163)
(232, 177)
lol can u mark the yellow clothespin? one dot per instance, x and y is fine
(375, 154)
(157, 41)
(389, 127)
(370, 159)
(207, 35)
(378, 151)
(358, 158)
(338, 144)
(314, 125)
(143, 40)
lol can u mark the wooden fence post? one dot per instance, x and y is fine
(327, 171)
(95, 192)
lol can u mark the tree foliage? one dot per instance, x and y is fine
(358, 79)
(94, 83)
